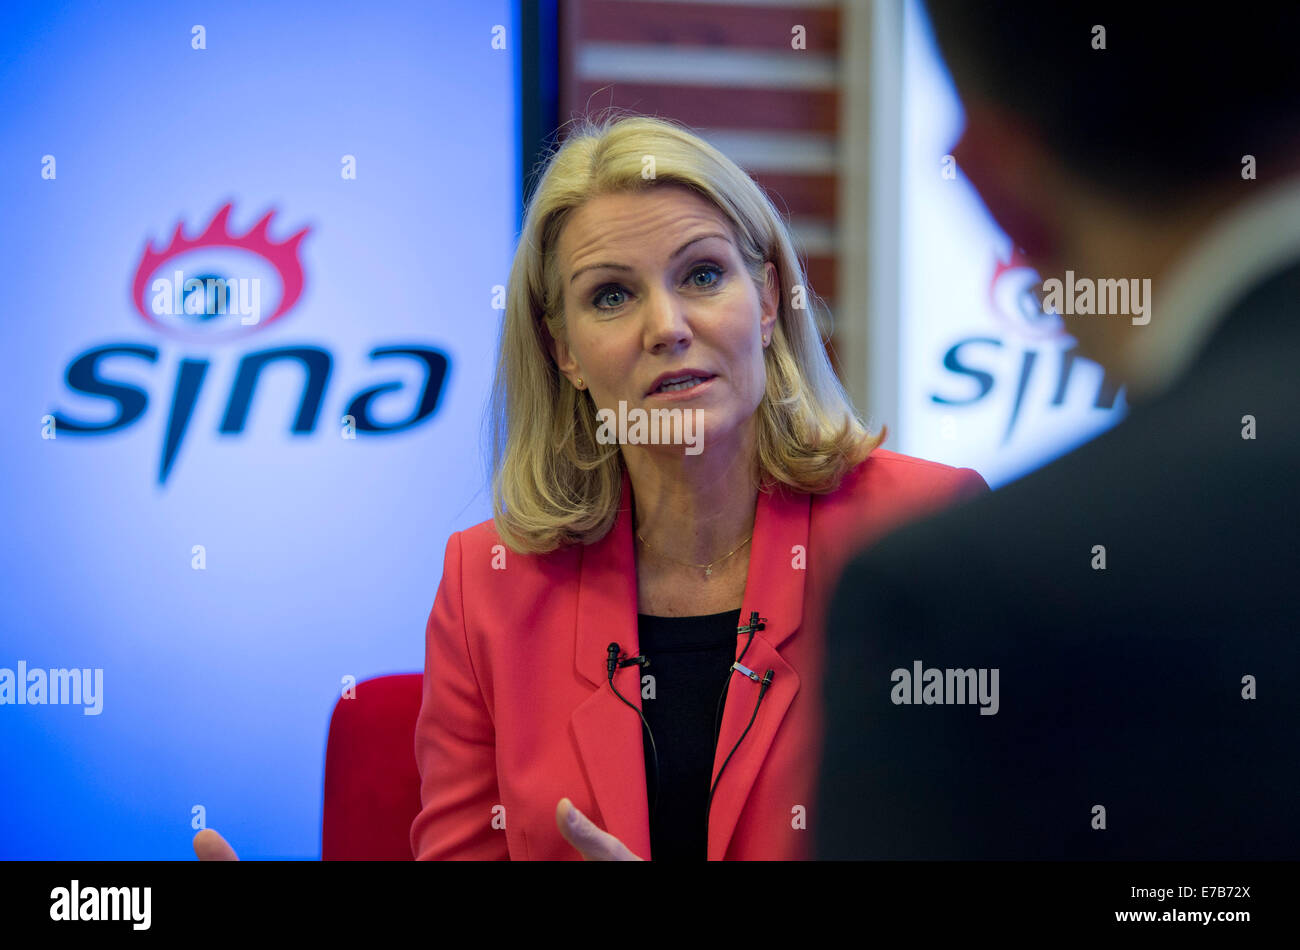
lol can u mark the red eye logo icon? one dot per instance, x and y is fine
(1015, 301)
(155, 286)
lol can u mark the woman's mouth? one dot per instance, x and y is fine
(678, 386)
(681, 384)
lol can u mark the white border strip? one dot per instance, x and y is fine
(797, 152)
(885, 138)
(732, 68)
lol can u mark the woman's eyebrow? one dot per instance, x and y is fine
(677, 253)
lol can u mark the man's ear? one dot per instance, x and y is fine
(1016, 175)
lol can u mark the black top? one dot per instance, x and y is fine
(689, 659)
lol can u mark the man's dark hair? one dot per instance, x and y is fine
(1173, 103)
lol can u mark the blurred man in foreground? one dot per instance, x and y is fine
(1112, 670)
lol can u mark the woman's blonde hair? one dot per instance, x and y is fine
(552, 482)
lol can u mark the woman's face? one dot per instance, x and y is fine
(654, 284)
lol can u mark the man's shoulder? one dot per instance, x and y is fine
(1026, 527)
(1163, 511)
(1187, 475)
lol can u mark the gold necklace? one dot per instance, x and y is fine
(708, 568)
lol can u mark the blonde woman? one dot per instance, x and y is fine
(624, 662)
(652, 274)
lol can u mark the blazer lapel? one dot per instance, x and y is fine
(609, 734)
(774, 589)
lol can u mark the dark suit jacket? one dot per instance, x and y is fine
(1123, 689)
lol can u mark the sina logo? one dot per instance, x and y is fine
(1015, 301)
(203, 294)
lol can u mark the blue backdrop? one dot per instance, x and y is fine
(223, 570)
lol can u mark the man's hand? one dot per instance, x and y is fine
(577, 829)
(210, 846)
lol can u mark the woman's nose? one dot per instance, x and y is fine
(667, 321)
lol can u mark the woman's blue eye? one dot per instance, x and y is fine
(602, 294)
(600, 299)
(713, 269)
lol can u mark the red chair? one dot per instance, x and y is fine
(372, 784)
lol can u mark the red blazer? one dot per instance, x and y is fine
(517, 712)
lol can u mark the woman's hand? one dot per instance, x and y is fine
(210, 846)
(577, 829)
(592, 843)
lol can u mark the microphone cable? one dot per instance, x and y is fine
(614, 661)
(755, 624)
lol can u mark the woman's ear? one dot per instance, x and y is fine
(771, 300)
(563, 357)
